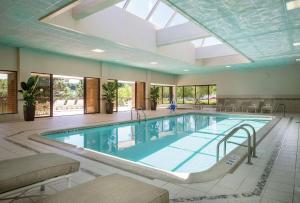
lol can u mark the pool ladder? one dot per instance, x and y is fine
(138, 114)
(251, 150)
(283, 109)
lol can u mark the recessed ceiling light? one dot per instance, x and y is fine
(153, 63)
(227, 66)
(296, 44)
(293, 5)
(298, 60)
(185, 70)
(98, 50)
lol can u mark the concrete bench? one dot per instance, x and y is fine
(18, 173)
(111, 189)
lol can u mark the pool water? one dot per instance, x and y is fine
(182, 143)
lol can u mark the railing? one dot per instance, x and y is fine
(230, 135)
(253, 138)
(138, 115)
(283, 109)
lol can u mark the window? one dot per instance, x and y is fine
(141, 8)
(211, 41)
(202, 94)
(161, 15)
(43, 100)
(212, 94)
(205, 94)
(165, 94)
(68, 92)
(189, 94)
(206, 42)
(179, 95)
(8, 92)
(178, 20)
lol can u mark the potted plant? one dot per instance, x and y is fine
(29, 92)
(109, 94)
(154, 96)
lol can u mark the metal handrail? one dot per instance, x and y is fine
(133, 108)
(138, 116)
(283, 109)
(254, 138)
(231, 134)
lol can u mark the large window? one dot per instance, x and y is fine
(189, 94)
(165, 94)
(8, 92)
(204, 94)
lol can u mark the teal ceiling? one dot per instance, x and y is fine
(262, 30)
(20, 27)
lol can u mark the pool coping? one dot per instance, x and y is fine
(226, 165)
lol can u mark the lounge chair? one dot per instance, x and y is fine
(254, 107)
(24, 173)
(59, 105)
(111, 189)
(267, 107)
(229, 106)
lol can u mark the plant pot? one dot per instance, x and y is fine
(153, 105)
(29, 112)
(109, 108)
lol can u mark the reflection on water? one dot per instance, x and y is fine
(171, 143)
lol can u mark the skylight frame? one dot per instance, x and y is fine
(152, 11)
(136, 7)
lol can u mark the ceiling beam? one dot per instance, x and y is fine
(180, 33)
(89, 7)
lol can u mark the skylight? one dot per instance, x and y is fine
(154, 11)
(161, 15)
(121, 4)
(141, 8)
(198, 42)
(178, 20)
(206, 42)
(211, 41)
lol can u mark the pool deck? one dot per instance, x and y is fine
(273, 177)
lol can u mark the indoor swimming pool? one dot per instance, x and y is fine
(180, 143)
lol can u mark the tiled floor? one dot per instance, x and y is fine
(274, 176)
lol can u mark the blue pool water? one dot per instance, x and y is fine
(183, 143)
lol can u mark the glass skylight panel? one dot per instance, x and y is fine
(121, 4)
(177, 20)
(198, 42)
(141, 8)
(211, 41)
(161, 15)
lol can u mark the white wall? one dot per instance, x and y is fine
(260, 82)
(8, 58)
(26, 61)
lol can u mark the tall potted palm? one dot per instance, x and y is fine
(154, 96)
(109, 95)
(29, 92)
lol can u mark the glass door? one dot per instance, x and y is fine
(8, 92)
(68, 93)
(44, 98)
(126, 96)
(91, 95)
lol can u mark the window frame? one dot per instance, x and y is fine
(16, 97)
